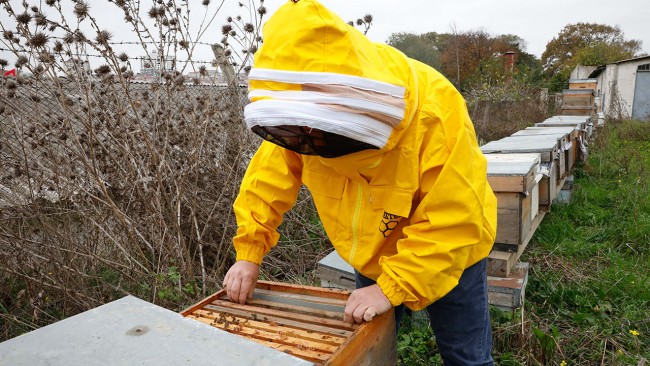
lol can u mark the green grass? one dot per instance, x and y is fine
(589, 287)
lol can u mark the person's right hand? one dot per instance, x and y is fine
(240, 281)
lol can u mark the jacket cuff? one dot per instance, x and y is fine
(251, 253)
(391, 289)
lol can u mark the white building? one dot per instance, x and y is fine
(623, 86)
(155, 64)
(211, 77)
(76, 66)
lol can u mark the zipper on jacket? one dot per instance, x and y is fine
(355, 222)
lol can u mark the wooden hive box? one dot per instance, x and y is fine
(582, 124)
(303, 321)
(514, 179)
(551, 158)
(508, 293)
(577, 84)
(578, 98)
(567, 137)
(578, 102)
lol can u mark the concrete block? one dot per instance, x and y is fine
(131, 331)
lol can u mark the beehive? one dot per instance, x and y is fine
(566, 136)
(551, 157)
(514, 179)
(306, 322)
(583, 84)
(578, 102)
(582, 123)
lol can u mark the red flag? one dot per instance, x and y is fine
(12, 72)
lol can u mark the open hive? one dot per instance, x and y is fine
(306, 322)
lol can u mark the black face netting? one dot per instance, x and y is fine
(311, 141)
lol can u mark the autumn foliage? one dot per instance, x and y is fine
(588, 44)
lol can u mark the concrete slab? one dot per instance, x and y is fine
(131, 331)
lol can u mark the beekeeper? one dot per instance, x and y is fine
(387, 149)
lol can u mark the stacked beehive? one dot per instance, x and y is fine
(580, 98)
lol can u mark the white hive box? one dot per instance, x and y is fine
(566, 136)
(551, 160)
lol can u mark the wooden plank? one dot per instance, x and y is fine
(577, 100)
(306, 304)
(281, 338)
(267, 327)
(508, 218)
(208, 300)
(293, 308)
(285, 322)
(315, 357)
(500, 263)
(507, 184)
(305, 298)
(287, 315)
(321, 292)
(306, 355)
(501, 299)
(373, 344)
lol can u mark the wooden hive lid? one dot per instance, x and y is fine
(512, 172)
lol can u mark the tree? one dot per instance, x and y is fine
(419, 47)
(599, 53)
(462, 56)
(573, 39)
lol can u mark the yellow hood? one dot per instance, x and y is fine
(315, 70)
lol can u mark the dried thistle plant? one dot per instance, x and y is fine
(111, 187)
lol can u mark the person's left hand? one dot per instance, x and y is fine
(365, 304)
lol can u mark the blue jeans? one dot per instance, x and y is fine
(460, 320)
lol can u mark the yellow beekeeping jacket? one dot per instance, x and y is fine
(412, 215)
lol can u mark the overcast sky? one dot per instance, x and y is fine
(535, 21)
